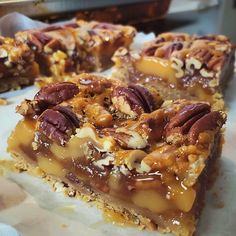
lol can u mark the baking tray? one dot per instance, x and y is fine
(38, 8)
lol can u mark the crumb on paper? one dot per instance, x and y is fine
(217, 201)
(8, 165)
(64, 225)
(66, 209)
(3, 101)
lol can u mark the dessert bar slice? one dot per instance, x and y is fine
(181, 66)
(122, 146)
(17, 66)
(76, 46)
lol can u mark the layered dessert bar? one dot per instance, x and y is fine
(123, 147)
(17, 65)
(181, 66)
(76, 46)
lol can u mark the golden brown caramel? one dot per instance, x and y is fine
(158, 67)
(59, 161)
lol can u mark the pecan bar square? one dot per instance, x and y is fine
(181, 66)
(77, 46)
(17, 66)
(122, 146)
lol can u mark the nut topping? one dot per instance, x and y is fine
(126, 138)
(67, 112)
(30, 108)
(181, 123)
(210, 121)
(177, 64)
(56, 93)
(176, 46)
(144, 96)
(43, 38)
(58, 125)
(98, 115)
(133, 160)
(133, 100)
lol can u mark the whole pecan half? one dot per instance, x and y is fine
(56, 93)
(132, 100)
(51, 28)
(176, 46)
(43, 38)
(58, 124)
(150, 51)
(181, 123)
(144, 96)
(210, 121)
(105, 26)
(37, 40)
(69, 114)
(192, 120)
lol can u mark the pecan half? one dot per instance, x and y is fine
(43, 38)
(133, 100)
(37, 40)
(144, 96)
(58, 125)
(150, 51)
(176, 46)
(199, 59)
(105, 26)
(52, 46)
(182, 122)
(56, 93)
(69, 114)
(210, 121)
(51, 28)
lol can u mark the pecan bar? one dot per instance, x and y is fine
(123, 146)
(77, 46)
(181, 66)
(17, 66)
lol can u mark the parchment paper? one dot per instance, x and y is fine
(29, 205)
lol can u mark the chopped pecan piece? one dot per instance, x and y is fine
(56, 93)
(58, 124)
(126, 138)
(30, 108)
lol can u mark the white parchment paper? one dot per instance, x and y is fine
(29, 205)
